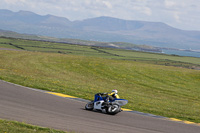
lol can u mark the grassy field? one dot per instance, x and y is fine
(141, 78)
(18, 127)
(109, 53)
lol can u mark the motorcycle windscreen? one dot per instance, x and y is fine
(121, 102)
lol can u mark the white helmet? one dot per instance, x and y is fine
(115, 91)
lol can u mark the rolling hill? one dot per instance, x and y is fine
(119, 45)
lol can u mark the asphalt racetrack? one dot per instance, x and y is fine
(40, 108)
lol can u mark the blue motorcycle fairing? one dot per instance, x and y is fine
(102, 96)
(98, 97)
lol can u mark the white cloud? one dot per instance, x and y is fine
(177, 17)
(108, 4)
(13, 1)
(147, 11)
(170, 3)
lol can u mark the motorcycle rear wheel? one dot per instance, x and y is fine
(89, 106)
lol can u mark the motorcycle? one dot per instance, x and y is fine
(111, 107)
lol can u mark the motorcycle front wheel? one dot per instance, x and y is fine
(113, 109)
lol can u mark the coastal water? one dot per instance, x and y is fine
(181, 53)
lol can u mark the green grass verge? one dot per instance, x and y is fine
(19, 127)
(162, 90)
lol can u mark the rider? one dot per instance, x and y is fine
(111, 96)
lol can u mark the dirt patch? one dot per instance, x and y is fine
(195, 67)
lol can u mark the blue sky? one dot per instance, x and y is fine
(182, 14)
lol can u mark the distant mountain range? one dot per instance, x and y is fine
(106, 29)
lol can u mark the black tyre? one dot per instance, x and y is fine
(89, 106)
(113, 109)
